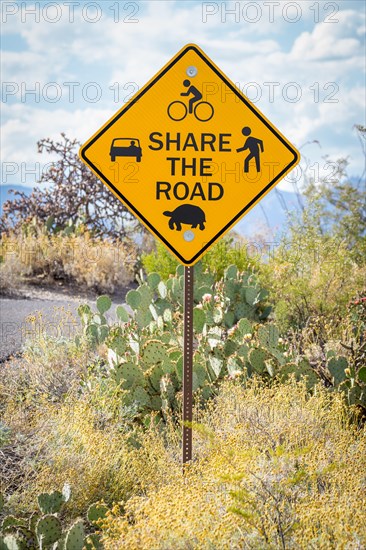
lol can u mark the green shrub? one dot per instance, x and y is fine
(160, 261)
(311, 274)
(229, 250)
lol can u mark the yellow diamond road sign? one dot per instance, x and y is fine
(189, 155)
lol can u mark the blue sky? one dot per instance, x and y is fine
(302, 63)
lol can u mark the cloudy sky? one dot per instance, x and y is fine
(68, 66)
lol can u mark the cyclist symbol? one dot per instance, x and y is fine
(202, 110)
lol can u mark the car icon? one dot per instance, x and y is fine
(126, 147)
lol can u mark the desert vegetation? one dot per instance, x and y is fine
(90, 429)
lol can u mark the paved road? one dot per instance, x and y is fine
(24, 318)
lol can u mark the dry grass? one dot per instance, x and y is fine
(100, 264)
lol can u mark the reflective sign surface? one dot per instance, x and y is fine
(189, 155)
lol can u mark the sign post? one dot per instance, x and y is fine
(187, 362)
(189, 155)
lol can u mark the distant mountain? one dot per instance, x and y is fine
(268, 217)
(5, 195)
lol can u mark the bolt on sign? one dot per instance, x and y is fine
(189, 154)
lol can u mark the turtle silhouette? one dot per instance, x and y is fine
(186, 213)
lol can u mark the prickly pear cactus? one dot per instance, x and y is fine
(268, 336)
(153, 353)
(128, 375)
(12, 521)
(303, 371)
(122, 314)
(50, 503)
(20, 539)
(48, 530)
(337, 367)
(153, 377)
(141, 397)
(75, 536)
(257, 359)
(153, 280)
(133, 299)
(97, 512)
(103, 304)
(45, 532)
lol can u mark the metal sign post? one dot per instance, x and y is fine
(187, 362)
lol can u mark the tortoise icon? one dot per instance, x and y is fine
(188, 214)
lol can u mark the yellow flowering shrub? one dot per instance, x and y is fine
(274, 468)
(79, 444)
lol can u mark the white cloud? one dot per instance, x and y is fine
(332, 41)
(109, 52)
(26, 125)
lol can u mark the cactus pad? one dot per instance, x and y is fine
(257, 360)
(216, 365)
(200, 372)
(143, 317)
(299, 372)
(245, 326)
(155, 403)
(154, 375)
(33, 520)
(243, 351)
(122, 314)
(251, 294)
(234, 364)
(21, 539)
(103, 304)
(153, 280)
(336, 367)
(50, 503)
(96, 512)
(179, 368)
(243, 310)
(167, 389)
(133, 299)
(199, 320)
(129, 374)
(12, 521)
(153, 353)
(229, 318)
(75, 537)
(48, 530)
(231, 272)
(361, 375)
(162, 289)
(141, 397)
(230, 347)
(268, 336)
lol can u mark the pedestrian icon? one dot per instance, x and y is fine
(202, 110)
(255, 147)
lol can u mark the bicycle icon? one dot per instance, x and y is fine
(203, 111)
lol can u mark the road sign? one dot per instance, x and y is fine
(189, 155)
